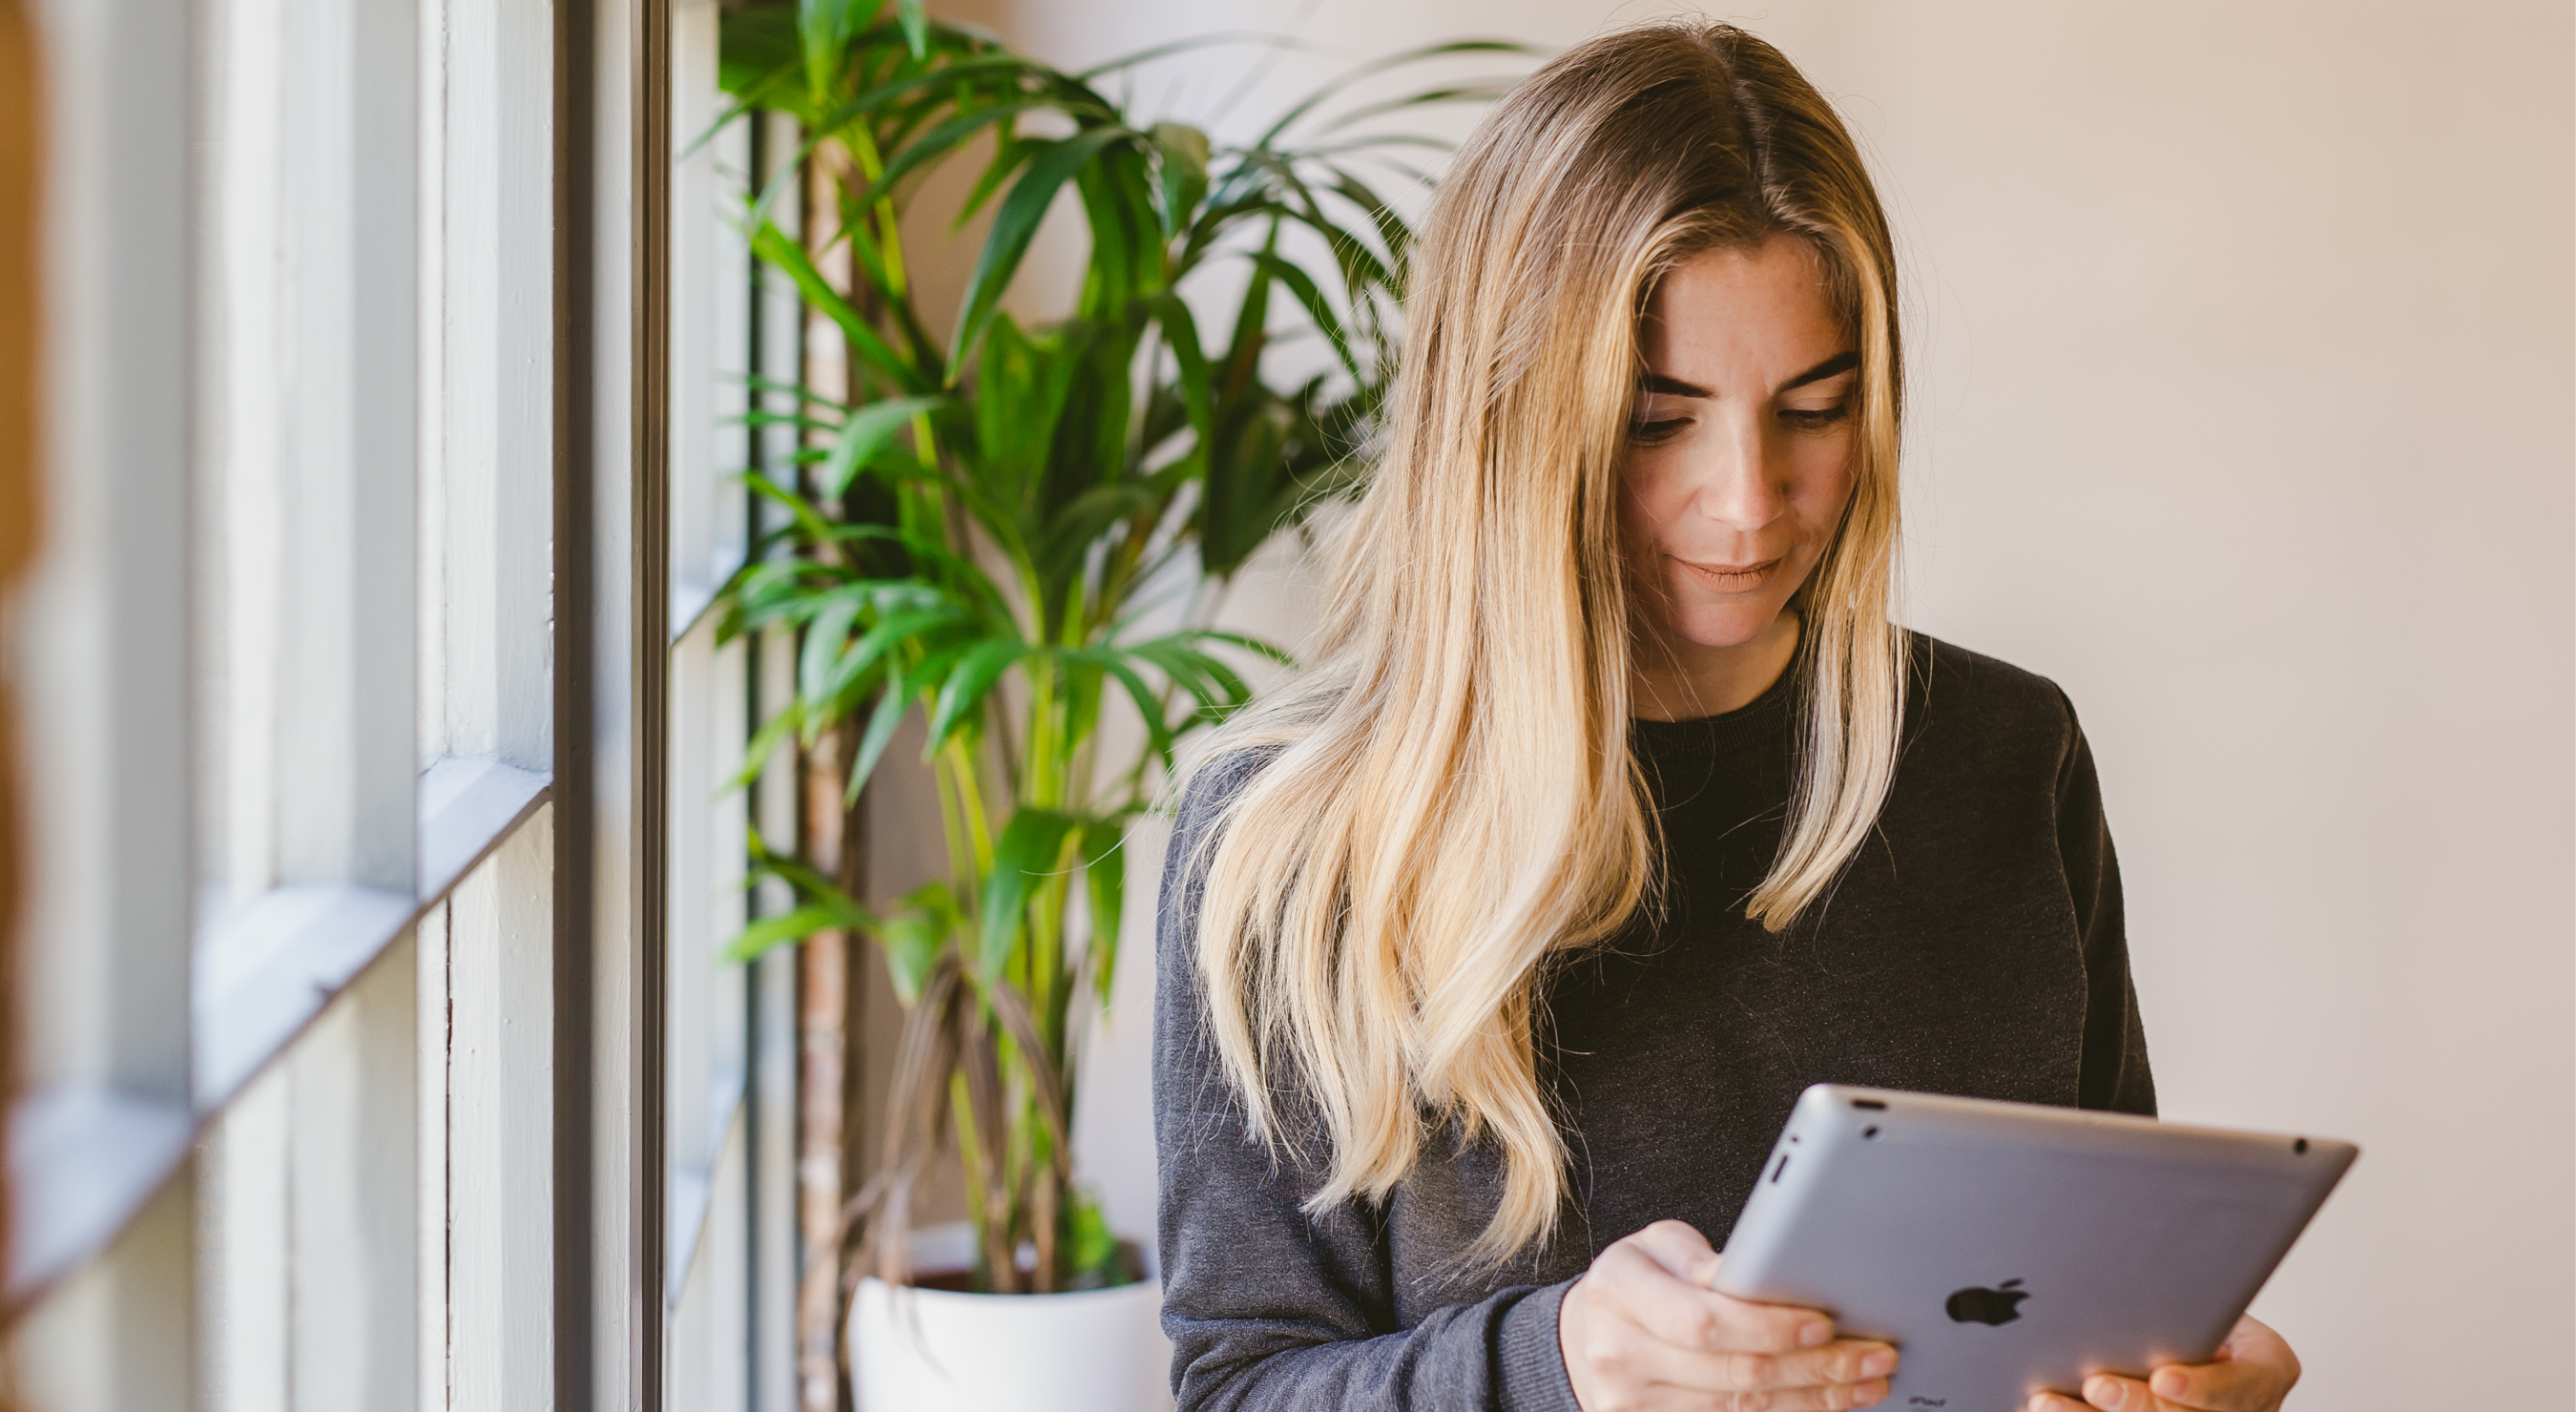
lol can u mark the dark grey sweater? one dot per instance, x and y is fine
(1975, 948)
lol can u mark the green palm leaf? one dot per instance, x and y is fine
(1032, 847)
(966, 688)
(1015, 225)
(867, 432)
(1104, 872)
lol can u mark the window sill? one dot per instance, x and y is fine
(84, 1158)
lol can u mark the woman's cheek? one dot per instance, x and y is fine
(1825, 477)
(1644, 509)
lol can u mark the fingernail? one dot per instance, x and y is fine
(2106, 1393)
(1869, 1396)
(1879, 1364)
(2169, 1382)
(1813, 1332)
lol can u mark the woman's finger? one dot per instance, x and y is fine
(2117, 1394)
(2254, 1345)
(2204, 1387)
(2101, 1391)
(2207, 1387)
(1678, 1247)
(1838, 1397)
(1638, 1282)
(1611, 1350)
(2252, 1372)
(1844, 1363)
(2230, 1386)
(1697, 1316)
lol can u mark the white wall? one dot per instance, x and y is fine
(2242, 351)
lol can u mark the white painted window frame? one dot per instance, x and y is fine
(441, 1018)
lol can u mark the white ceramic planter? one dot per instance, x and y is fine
(931, 1350)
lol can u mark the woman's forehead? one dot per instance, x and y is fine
(1731, 315)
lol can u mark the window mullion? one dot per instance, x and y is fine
(348, 768)
(496, 510)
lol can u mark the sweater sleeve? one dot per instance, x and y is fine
(1270, 1308)
(2116, 1075)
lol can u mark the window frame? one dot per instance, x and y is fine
(558, 789)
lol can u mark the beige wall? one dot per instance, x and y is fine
(2243, 354)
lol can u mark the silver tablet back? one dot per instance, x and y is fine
(2005, 1248)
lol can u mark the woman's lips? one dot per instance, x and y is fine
(1732, 578)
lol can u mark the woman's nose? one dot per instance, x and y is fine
(1737, 486)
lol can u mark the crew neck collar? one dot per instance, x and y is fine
(1760, 721)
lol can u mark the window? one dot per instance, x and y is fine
(384, 1050)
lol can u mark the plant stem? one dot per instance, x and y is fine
(952, 828)
(970, 1153)
(863, 147)
(970, 800)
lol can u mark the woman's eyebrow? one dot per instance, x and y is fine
(1839, 363)
(1674, 387)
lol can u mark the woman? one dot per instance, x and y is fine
(1615, 810)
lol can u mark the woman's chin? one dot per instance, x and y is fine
(1717, 627)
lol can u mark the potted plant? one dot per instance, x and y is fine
(977, 533)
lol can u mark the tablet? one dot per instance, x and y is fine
(2006, 1248)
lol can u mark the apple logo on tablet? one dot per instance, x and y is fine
(1979, 1305)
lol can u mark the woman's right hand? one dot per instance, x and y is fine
(1642, 1331)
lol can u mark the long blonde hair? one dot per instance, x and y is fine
(1451, 803)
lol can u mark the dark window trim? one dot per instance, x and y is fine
(650, 524)
(575, 638)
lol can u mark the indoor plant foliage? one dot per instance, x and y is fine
(976, 530)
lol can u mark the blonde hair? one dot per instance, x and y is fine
(1451, 803)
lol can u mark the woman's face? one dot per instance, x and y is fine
(1740, 445)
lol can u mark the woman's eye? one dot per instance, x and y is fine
(1815, 419)
(1650, 432)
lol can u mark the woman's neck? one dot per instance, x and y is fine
(1672, 679)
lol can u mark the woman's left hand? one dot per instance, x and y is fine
(2251, 1372)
